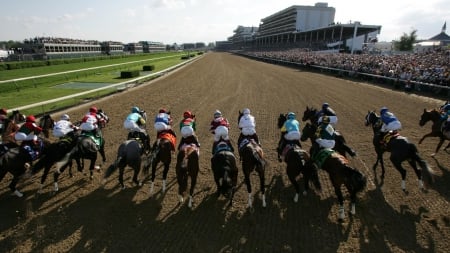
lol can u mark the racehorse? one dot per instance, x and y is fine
(17, 160)
(252, 157)
(401, 149)
(341, 146)
(161, 152)
(187, 167)
(129, 153)
(54, 153)
(14, 161)
(47, 123)
(434, 116)
(223, 164)
(298, 161)
(85, 148)
(339, 172)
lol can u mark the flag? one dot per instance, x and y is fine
(444, 27)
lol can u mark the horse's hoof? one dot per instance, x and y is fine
(432, 155)
(18, 193)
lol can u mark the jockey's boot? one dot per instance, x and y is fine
(231, 146)
(213, 147)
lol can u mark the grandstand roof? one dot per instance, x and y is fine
(347, 30)
(440, 37)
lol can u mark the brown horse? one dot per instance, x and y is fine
(339, 171)
(434, 116)
(47, 123)
(252, 157)
(161, 152)
(223, 164)
(10, 127)
(187, 167)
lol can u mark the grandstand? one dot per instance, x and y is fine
(298, 26)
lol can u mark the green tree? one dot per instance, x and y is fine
(406, 41)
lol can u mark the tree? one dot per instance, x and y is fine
(406, 41)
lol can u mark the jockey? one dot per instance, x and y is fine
(29, 130)
(446, 117)
(325, 135)
(163, 123)
(390, 122)
(290, 133)
(63, 127)
(90, 122)
(247, 126)
(135, 123)
(326, 110)
(219, 127)
(188, 128)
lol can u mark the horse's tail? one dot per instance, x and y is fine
(258, 157)
(428, 174)
(112, 167)
(357, 179)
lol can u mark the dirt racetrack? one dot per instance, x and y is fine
(84, 217)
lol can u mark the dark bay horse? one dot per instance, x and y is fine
(401, 150)
(14, 161)
(298, 161)
(128, 154)
(187, 167)
(85, 148)
(223, 164)
(434, 116)
(161, 152)
(54, 153)
(341, 146)
(252, 157)
(47, 123)
(339, 172)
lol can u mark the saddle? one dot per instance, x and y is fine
(388, 137)
(322, 155)
(286, 149)
(98, 140)
(222, 146)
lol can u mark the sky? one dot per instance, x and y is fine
(191, 21)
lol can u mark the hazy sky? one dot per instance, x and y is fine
(185, 21)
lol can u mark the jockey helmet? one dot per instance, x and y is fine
(291, 115)
(217, 114)
(326, 119)
(135, 109)
(93, 109)
(162, 110)
(246, 111)
(383, 110)
(3, 111)
(325, 106)
(187, 114)
(30, 118)
(65, 117)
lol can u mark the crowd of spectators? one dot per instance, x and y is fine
(430, 67)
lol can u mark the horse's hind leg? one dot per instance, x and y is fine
(340, 197)
(418, 172)
(262, 181)
(193, 176)
(13, 184)
(399, 167)
(165, 171)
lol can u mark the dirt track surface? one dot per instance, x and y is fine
(84, 217)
